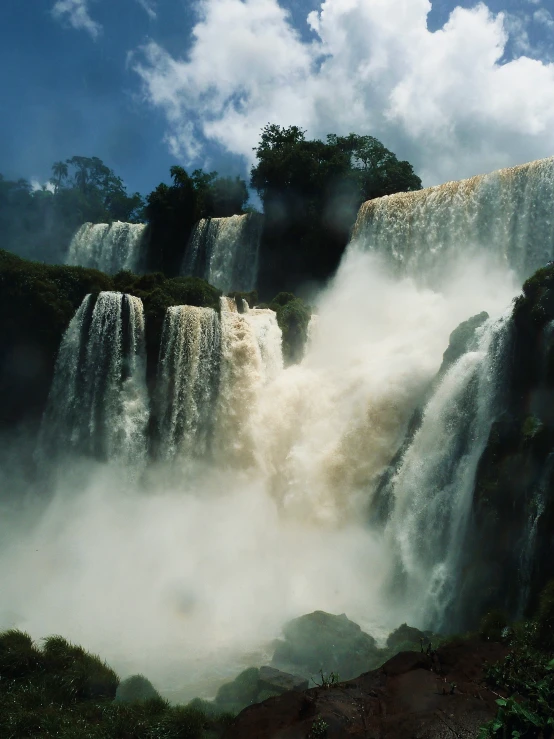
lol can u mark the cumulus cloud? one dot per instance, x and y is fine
(77, 14)
(448, 101)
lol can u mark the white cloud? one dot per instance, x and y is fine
(446, 100)
(149, 7)
(544, 17)
(77, 14)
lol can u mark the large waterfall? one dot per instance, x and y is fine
(278, 470)
(431, 493)
(505, 216)
(224, 251)
(109, 247)
(98, 402)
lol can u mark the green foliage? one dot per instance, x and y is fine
(311, 191)
(62, 691)
(293, 317)
(40, 223)
(136, 688)
(535, 307)
(318, 729)
(172, 211)
(526, 676)
(37, 302)
(545, 617)
(492, 625)
(330, 680)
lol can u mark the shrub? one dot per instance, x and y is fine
(492, 625)
(136, 688)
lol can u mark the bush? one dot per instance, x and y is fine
(136, 688)
(492, 625)
(545, 616)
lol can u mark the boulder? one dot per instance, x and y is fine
(276, 681)
(325, 642)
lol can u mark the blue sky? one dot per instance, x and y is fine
(455, 87)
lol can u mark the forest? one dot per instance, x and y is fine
(310, 191)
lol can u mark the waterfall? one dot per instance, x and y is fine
(269, 339)
(431, 493)
(98, 402)
(224, 251)
(505, 215)
(108, 247)
(188, 381)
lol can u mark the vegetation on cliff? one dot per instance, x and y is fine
(60, 690)
(37, 302)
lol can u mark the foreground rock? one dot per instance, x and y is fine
(323, 641)
(411, 696)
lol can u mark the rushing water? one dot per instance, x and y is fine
(224, 251)
(276, 524)
(108, 247)
(98, 403)
(188, 381)
(431, 492)
(505, 215)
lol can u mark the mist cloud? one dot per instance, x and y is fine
(448, 100)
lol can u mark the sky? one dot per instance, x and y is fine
(455, 87)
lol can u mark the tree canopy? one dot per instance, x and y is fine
(311, 191)
(40, 223)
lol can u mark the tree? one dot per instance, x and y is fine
(311, 191)
(60, 172)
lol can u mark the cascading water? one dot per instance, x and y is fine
(224, 251)
(108, 247)
(431, 492)
(188, 381)
(269, 338)
(505, 215)
(277, 525)
(98, 403)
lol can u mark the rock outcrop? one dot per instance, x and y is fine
(411, 695)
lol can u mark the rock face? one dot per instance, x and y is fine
(254, 686)
(280, 682)
(509, 556)
(410, 696)
(322, 641)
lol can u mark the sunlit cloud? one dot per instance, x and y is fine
(448, 101)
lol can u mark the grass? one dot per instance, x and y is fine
(60, 690)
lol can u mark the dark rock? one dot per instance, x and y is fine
(405, 698)
(323, 641)
(403, 634)
(279, 682)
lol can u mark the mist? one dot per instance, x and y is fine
(188, 577)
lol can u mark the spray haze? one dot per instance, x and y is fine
(181, 579)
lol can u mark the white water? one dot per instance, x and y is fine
(190, 577)
(224, 251)
(108, 247)
(505, 216)
(433, 489)
(188, 381)
(98, 403)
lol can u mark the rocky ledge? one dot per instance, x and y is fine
(411, 696)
